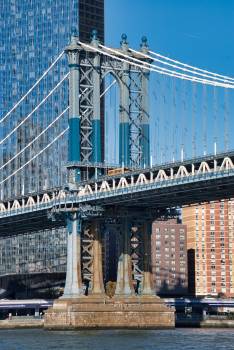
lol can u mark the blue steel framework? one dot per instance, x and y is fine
(88, 67)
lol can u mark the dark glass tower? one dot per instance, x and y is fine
(33, 34)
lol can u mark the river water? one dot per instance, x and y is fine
(105, 340)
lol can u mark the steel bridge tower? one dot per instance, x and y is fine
(88, 68)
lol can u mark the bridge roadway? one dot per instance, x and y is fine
(153, 189)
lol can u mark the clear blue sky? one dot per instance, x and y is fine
(200, 33)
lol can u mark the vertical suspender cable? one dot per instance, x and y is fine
(194, 118)
(175, 119)
(204, 116)
(215, 119)
(226, 119)
(184, 119)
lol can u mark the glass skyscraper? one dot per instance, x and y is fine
(33, 33)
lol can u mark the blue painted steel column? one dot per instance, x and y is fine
(96, 139)
(145, 141)
(124, 143)
(72, 51)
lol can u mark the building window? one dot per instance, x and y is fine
(172, 236)
(158, 242)
(166, 242)
(222, 245)
(167, 256)
(173, 255)
(182, 262)
(182, 275)
(166, 262)
(172, 230)
(158, 256)
(158, 274)
(158, 249)
(167, 281)
(212, 222)
(158, 236)
(167, 275)
(166, 250)
(182, 269)
(181, 236)
(173, 275)
(172, 281)
(172, 250)
(158, 281)
(158, 261)
(212, 233)
(181, 230)
(158, 268)
(223, 262)
(181, 249)
(173, 262)
(212, 267)
(182, 256)
(222, 239)
(157, 229)
(181, 243)
(183, 282)
(166, 236)
(172, 243)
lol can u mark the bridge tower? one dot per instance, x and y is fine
(87, 224)
(88, 67)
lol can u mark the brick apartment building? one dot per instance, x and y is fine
(169, 258)
(210, 248)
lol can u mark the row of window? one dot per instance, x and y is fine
(172, 230)
(172, 262)
(182, 282)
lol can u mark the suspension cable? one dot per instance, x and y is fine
(163, 70)
(23, 121)
(186, 65)
(44, 132)
(38, 81)
(228, 80)
(35, 156)
(29, 144)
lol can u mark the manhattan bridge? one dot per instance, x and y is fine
(156, 158)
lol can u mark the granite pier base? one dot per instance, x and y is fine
(101, 312)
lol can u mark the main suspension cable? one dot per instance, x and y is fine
(23, 121)
(35, 156)
(38, 81)
(186, 65)
(164, 70)
(184, 69)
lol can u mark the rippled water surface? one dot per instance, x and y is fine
(178, 339)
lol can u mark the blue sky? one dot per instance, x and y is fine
(199, 33)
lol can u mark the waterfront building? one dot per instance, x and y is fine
(169, 258)
(210, 248)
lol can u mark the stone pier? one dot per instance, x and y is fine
(126, 310)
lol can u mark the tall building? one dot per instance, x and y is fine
(33, 35)
(169, 258)
(210, 248)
